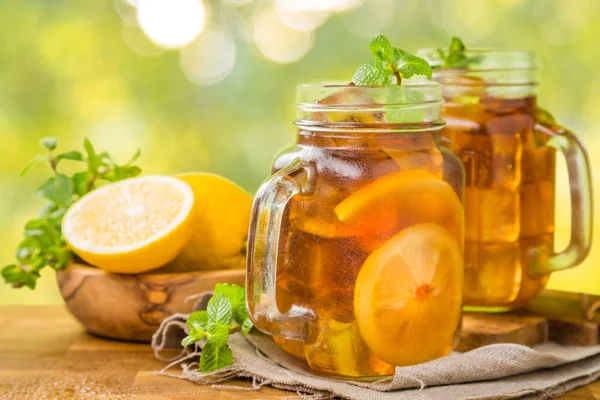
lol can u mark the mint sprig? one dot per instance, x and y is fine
(43, 245)
(391, 65)
(215, 324)
(456, 57)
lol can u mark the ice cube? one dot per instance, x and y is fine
(537, 208)
(492, 273)
(492, 214)
(339, 349)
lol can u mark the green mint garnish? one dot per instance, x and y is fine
(43, 244)
(215, 324)
(455, 56)
(215, 357)
(390, 66)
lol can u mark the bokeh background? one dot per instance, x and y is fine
(210, 85)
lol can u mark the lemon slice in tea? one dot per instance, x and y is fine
(408, 296)
(402, 199)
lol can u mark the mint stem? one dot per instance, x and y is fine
(397, 75)
(90, 185)
(53, 162)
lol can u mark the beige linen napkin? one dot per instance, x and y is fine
(500, 371)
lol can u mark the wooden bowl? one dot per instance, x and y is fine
(131, 307)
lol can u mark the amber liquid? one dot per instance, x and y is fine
(509, 199)
(318, 262)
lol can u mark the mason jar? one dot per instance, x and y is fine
(508, 145)
(355, 250)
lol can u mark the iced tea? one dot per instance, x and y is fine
(370, 244)
(508, 146)
(509, 198)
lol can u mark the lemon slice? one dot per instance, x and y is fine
(408, 296)
(402, 199)
(131, 226)
(325, 229)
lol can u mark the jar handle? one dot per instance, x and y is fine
(578, 169)
(263, 245)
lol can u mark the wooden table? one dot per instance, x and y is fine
(45, 354)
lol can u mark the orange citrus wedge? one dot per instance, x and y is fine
(131, 226)
(402, 199)
(408, 296)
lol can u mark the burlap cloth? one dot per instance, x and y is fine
(500, 371)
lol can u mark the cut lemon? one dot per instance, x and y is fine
(408, 296)
(131, 226)
(221, 217)
(402, 199)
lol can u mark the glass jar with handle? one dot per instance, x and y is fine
(355, 250)
(508, 145)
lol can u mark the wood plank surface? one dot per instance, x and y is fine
(482, 329)
(561, 317)
(569, 319)
(45, 354)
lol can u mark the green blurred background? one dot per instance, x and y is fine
(211, 85)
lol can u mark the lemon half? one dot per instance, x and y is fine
(131, 226)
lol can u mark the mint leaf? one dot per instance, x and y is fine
(456, 56)
(49, 143)
(117, 173)
(193, 337)
(57, 257)
(94, 160)
(27, 249)
(457, 45)
(372, 73)
(135, 157)
(46, 234)
(390, 63)
(188, 340)
(228, 302)
(58, 189)
(382, 48)
(409, 65)
(34, 227)
(240, 314)
(198, 320)
(247, 325)
(234, 293)
(217, 333)
(81, 183)
(19, 277)
(70, 155)
(215, 357)
(219, 310)
(51, 211)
